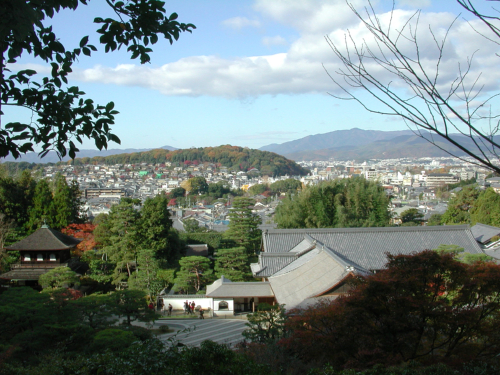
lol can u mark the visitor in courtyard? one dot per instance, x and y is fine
(169, 309)
(201, 313)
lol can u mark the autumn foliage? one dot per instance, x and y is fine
(85, 232)
(427, 307)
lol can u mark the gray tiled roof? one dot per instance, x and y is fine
(45, 239)
(223, 288)
(483, 233)
(272, 263)
(367, 247)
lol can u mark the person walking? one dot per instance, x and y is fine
(201, 313)
(169, 309)
(192, 307)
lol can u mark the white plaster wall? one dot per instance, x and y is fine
(178, 303)
(230, 305)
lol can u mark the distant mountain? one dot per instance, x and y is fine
(404, 146)
(338, 138)
(52, 157)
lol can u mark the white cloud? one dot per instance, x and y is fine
(239, 23)
(274, 41)
(300, 69)
(415, 3)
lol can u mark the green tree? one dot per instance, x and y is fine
(117, 235)
(243, 226)
(435, 219)
(96, 310)
(62, 203)
(61, 114)
(266, 325)
(198, 185)
(289, 186)
(486, 209)
(154, 228)
(59, 277)
(412, 215)
(351, 202)
(177, 192)
(132, 305)
(193, 226)
(146, 276)
(233, 263)
(257, 189)
(219, 189)
(42, 209)
(112, 339)
(194, 274)
(459, 206)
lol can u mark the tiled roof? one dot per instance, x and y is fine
(483, 233)
(272, 263)
(367, 247)
(224, 288)
(45, 239)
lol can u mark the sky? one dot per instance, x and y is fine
(255, 72)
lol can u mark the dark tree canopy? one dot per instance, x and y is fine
(352, 202)
(61, 114)
(427, 306)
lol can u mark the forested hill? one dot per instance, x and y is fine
(233, 157)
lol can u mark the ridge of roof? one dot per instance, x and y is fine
(307, 231)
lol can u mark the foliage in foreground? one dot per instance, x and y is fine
(428, 307)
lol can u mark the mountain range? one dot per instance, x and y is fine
(353, 144)
(357, 144)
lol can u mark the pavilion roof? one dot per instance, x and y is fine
(45, 239)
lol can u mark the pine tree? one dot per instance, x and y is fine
(194, 274)
(243, 225)
(233, 264)
(117, 235)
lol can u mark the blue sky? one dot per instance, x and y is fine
(251, 74)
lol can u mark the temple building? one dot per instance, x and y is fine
(40, 252)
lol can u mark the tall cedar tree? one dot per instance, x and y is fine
(62, 201)
(243, 226)
(194, 274)
(233, 263)
(154, 228)
(351, 202)
(428, 307)
(42, 209)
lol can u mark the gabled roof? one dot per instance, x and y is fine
(367, 247)
(45, 239)
(225, 288)
(483, 233)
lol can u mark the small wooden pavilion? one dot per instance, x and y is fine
(40, 252)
